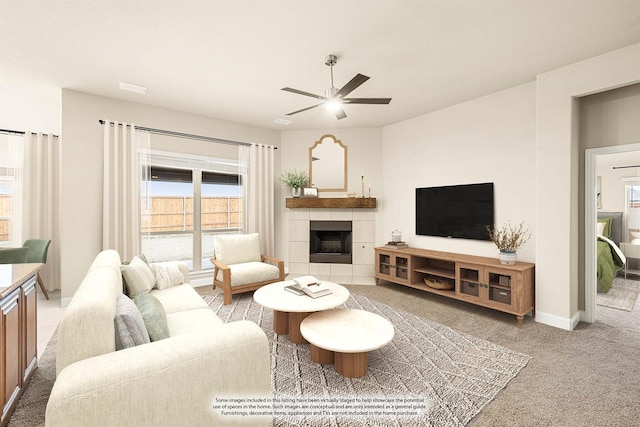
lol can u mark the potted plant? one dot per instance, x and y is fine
(295, 179)
(509, 239)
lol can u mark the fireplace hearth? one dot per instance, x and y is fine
(330, 242)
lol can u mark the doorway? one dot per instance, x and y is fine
(591, 206)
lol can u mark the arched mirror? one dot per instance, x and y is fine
(328, 164)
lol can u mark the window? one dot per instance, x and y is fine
(187, 203)
(634, 196)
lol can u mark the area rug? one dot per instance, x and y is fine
(447, 377)
(622, 295)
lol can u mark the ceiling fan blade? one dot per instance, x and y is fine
(351, 86)
(366, 100)
(340, 114)
(301, 92)
(304, 109)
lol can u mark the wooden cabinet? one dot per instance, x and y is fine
(393, 266)
(30, 328)
(11, 375)
(478, 280)
(18, 333)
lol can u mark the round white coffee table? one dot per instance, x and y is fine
(290, 309)
(344, 337)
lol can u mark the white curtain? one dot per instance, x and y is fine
(11, 165)
(257, 171)
(38, 183)
(123, 168)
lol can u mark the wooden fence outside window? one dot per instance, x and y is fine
(167, 214)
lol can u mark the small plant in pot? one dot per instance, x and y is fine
(509, 239)
(296, 180)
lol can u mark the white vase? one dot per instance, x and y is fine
(296, 191)
(508, 257)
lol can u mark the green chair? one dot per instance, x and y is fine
(13, 255)
(37, 252)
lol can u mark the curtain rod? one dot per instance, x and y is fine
(20, 132)
(187, 135)
(625, 167)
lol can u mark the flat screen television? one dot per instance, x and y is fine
(457, 211)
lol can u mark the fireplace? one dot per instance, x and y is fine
(330, 242)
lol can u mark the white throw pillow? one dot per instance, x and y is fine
(167, 274)
(238, 248)
(600, 228)
(138, 276)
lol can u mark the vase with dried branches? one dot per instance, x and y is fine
(509, 239)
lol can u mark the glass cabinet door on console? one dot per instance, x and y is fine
(487, 285)
(469, 282)
(500, 292)
(393, 267)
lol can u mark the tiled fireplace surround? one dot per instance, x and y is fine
(360, 272)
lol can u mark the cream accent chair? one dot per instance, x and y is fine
(240, 267)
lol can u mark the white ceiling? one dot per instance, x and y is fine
(229, 59)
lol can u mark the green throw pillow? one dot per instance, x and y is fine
(607, 227)
(155, 319)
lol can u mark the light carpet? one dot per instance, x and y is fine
(622, 295)
(457, 374)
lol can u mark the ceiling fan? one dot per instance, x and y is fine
(333, 98)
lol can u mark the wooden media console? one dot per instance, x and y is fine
(478, 280)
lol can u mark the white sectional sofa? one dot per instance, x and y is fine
(170, 382)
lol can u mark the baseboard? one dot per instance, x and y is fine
(566, 323)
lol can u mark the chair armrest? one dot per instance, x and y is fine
(174, 381)
(277, 262)
(219, 264)
(226, 272)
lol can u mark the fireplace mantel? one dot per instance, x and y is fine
(332, 202)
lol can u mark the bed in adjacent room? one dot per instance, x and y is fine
(610, 258)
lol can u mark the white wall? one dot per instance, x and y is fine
(557, 133)
(34, 108)
(613, 187)
(364, 148)
(490, 139)
(82, 165)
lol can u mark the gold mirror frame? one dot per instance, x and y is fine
(328, 165)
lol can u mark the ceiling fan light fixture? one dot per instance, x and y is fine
(333, 104)
(334, 98)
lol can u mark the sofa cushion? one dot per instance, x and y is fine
(251, 272)
(238, 248)
(138, 277)
(179, 298)
(155, 319)
(167, 274)
(129, 325)
(184, 322)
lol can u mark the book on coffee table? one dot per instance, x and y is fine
(316, 291)
(306, 280)
(294, 288)
(308, 285)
